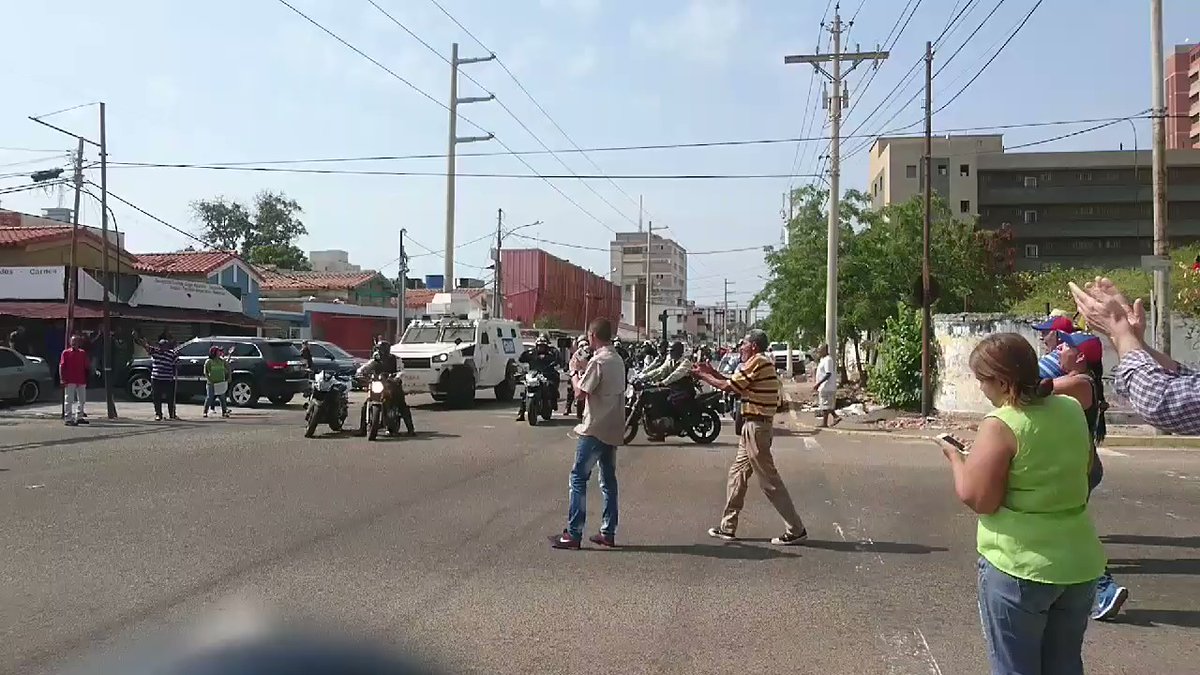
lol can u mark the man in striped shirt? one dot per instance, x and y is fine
(163, 362)
(757, 384)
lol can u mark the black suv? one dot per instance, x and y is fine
(258, 367)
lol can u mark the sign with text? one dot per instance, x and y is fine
(33, 283)
(184, 294)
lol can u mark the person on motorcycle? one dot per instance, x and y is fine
(650, 357)
(383, 362)
(543, 359)
(670, 385)
(582, 354)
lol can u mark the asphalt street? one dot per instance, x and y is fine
(437, 546)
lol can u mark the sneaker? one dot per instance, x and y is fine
(718, 533)
(601, 539)
(174, 418)
(82, 420)
(224, 413)
(206, 413)
(564, 541)
(83, 414)
(790, 539)
(71, 423)
(1109, 602)
(158, 418)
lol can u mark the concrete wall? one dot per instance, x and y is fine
(957, 335)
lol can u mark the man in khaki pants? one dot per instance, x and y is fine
(757, 384)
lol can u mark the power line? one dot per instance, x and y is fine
(536, 103)
(982, 68)
(538, 176)
(663, 146)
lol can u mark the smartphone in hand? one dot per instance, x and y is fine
(955, 443)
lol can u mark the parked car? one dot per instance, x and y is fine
(24, 379)
(258, 367)
(330, 357)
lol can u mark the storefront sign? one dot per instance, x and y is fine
(32, 283)
(90, 289)
(184, 294)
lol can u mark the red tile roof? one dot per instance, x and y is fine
(11, 237)
(274, 280)
(184, 262)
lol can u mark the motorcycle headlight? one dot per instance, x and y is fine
(441, 358)
(377, 387)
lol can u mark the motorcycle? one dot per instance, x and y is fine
(539, 400)
(699, 421)
(381, 414)
(327, 402)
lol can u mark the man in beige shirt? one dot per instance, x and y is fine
(601, 385)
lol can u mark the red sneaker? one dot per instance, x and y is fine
(604, 540)
(564, 541)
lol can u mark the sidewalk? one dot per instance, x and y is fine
(96, 408)
(887, 422)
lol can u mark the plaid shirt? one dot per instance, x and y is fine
(1166, 400)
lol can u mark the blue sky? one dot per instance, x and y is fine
(232, 80)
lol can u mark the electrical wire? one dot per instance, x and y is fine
(987, 63)
(545, 113)
(537, 176)
(59, 112)
(663, 146)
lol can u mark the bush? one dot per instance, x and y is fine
(896, 378)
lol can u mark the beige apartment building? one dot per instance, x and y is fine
(668, 267)
(1183, 97)
(897, 174)
(1072, 209)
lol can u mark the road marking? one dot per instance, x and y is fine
(1110, 453)
(932, 661)
(908, 649)
(488, 426)
(811, 443)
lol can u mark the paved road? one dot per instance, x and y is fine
(437, 545)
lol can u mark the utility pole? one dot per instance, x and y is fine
(725, 336)
(497, 305)
(649, 241)
(454, 140)
(1162, 274)
(926, 394)
(403, 289)
(836, 102)
(72, 275)
(106, 324)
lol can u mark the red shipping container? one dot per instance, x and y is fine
(540, 287)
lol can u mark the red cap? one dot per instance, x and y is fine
(1061, 324)
(1088, 345)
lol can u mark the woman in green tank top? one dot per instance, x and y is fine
(1026, 475)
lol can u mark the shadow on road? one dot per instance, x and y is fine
(1150, 618)
(1150, 540)
(1120, 566)
(874, 547)
(133, 431)
(729, 551)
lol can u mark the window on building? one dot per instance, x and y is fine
(634, 250)
(1085, 176)
(485, 338)
(910, 171)
(964, 170)
(1031, 216)
(1083, 244)
(1086, 211)
(1030, 181)
(1031, 250)
(964, 206)
(943, 170)
(1112, 243)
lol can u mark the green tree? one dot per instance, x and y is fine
(263, 234)
(879, 265)
(896, 378)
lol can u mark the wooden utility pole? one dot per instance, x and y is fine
(836, 101)
(72, 274)
(1162, 272)
(106, 324)
(926, 389)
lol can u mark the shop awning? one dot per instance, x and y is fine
(89, 310)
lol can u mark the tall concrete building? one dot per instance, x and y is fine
(1183, 97)
(333, 260)
(1072, 209)
(668, 269)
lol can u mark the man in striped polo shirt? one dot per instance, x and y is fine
(163, 362)
(756, 383)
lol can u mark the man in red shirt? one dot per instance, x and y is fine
(73, 372)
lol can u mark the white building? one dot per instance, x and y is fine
(333, 260)
(668, 269)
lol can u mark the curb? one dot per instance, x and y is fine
(1157, 441)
